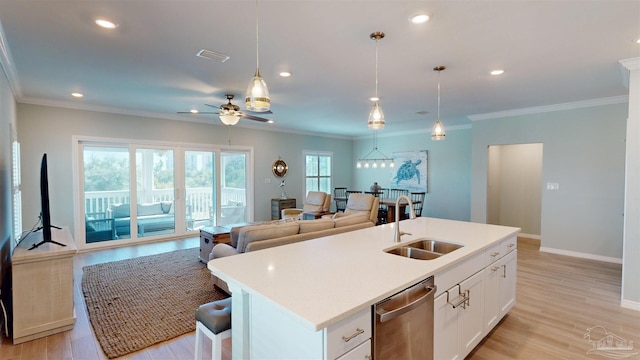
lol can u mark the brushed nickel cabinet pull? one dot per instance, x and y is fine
(348, 338)
(511, 245)
(504, 271)
(495, 268)
(495, 254)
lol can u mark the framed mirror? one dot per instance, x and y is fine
(280, 168)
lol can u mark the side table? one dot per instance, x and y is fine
(209, 237)
(278, 204)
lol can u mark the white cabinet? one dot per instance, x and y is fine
(500, 285)
(458, 318)
(361, 352)
(277, 335)
(467, 311)
(348, 333)
(43, 286)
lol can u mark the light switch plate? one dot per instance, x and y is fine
(553, 186)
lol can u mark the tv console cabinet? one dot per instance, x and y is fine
(42, 281)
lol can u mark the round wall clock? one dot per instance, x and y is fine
(280, 168)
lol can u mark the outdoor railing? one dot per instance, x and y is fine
(199, 201)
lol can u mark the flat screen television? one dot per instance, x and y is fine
(45, 212)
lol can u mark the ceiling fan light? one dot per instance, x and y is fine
(438, 132)
(257, 98)
(376, 118)
(228, 119)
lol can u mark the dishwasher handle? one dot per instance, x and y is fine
(386, 316)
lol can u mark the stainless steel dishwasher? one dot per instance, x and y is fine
(403, 327)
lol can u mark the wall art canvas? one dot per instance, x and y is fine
(410, 171)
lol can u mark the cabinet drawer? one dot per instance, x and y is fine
(348, 333)
(362, 352)
(508, 245)
(493, 253)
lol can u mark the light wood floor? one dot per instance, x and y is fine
(558, 298)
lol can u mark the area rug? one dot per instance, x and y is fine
(139, 302)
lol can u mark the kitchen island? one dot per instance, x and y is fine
(287, 300)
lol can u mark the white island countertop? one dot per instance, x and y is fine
(322, 281)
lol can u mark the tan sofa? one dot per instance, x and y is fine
(287, 231)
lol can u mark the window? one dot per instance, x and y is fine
(318, 172)
(133, 190)
(15, 188)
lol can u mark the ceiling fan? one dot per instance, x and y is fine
(230, 114)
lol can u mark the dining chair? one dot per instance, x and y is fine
(340, 197)
(349, 192)
(417, 198)
(395, 193)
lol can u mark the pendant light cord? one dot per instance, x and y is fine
(376, 68)
(257, 39)
(438, 94)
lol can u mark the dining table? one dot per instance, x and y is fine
(391, 207)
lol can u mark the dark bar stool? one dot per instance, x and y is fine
(213, 320)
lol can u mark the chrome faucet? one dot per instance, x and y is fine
(412, 215)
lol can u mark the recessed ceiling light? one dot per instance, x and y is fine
(638, 41)
(106, 24)
(270, 121)
(497, 72)
(77, 94)
(193, 111)
(419, 19)
(285, 74)
(374, 98)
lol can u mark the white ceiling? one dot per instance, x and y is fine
(553, 52)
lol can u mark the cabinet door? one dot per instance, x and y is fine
(362, 352)
(445, 328)
(508, 272)
(470, 321)
(491, 296)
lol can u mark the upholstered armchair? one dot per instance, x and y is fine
(366, 204)
(315, 203)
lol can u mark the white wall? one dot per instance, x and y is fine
(584, 152)
(50, 129)
(449, 162)
(631, 261)
(514, 192)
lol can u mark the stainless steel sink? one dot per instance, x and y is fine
(413, 253)
(439, 247)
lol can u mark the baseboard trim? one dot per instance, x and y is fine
(628, 304)
(581, 255)
(529, 236)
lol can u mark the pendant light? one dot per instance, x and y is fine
(376, 116)
(438, 132)
(257, 98)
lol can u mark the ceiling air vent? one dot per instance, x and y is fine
(212, 55)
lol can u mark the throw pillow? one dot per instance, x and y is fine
(166, 206)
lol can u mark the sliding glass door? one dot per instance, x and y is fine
(177, 190)
(106, 182)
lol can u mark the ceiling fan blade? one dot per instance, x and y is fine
(251, 117)
(213, 106)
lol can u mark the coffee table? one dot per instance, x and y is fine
(209, 237)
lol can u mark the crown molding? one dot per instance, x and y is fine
(631, 64)
(550, 108)
(7, 65)
(164, 116)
